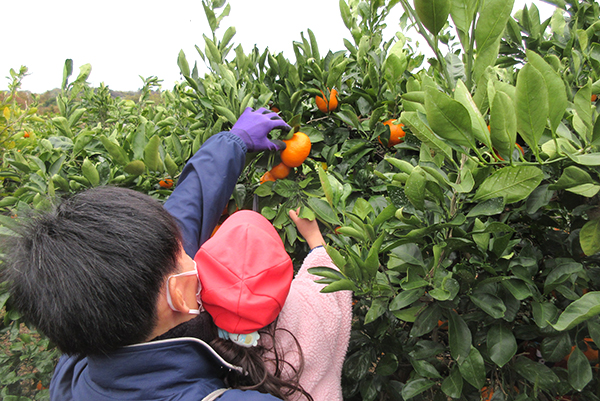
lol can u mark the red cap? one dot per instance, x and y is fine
(245, 273)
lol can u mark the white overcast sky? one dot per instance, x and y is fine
(126, 39)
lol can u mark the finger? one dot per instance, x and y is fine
(262, 110)
(280, 124)
(280, 145)
(294, 215)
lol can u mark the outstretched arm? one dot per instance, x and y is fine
(309, 229)
(204, 188)
(209, 177)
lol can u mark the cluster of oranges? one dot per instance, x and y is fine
(326, 105)
(296, 151)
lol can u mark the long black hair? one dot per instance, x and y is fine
(265, 367)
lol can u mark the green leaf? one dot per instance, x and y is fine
(425, 369)
(116, 152)
(462, 95)
(415, 188)
(558, 102)
(339, 285)
(473, 369)
(346, 14)
(503, 124)
(589, 237)
(326, 272)
(536, 373)
(488, 207)
(323, 210)
(387, 365)
(378, 307)
(336, 257)
(582, 120)
(136, 167)
(224, 111)
(453, 384)
(490, 304)
(415, 387)
(513, 183)
(448, 118)
(589, 159)
(184, 67)
(518, 288)
(492, 22)
(556, 348)
(90, 172)
(579, 311)
(406, 298)
(426, 321)
(501, 344)
(580, 371)
(571, 176)
(561, 273)
(433, 13)
(67, 71)
(459, 337)
(531, 105)
(151, 155)
(543, 313)
(424, 133)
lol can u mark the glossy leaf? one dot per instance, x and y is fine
(490, 304)
(415, 188)
(415, 387)
(472, 369)
(580, 371)
(459, 337)
(558, 102)
(513, 183)
(579, 311)
(453, 384)
(531, 106)
(589, 237)
(425, 133)
(448, 118)
(503, 124)
(501, 344)
(433, 13)
(536, 373)
(462, 95)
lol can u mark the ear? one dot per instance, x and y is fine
(177, 289)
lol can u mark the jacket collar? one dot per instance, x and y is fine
(156, 365)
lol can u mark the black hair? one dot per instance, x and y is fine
(265, 367)
(88, 273)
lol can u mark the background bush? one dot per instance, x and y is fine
(471, 247)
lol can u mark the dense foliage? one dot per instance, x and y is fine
(471, 246)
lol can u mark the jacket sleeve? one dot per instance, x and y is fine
(204, 188)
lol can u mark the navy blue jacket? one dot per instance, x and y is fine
(180, 369)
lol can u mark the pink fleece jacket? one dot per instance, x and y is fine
(321, 324)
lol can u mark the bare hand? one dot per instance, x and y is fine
(309, 229)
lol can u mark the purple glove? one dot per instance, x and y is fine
(253, 127)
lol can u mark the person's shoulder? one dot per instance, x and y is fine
(246, 395)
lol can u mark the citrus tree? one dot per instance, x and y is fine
(459, 194)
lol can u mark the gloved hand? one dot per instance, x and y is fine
(253, 127)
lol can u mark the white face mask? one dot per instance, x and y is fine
(198, 299)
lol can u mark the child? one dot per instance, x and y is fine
(246, 281)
